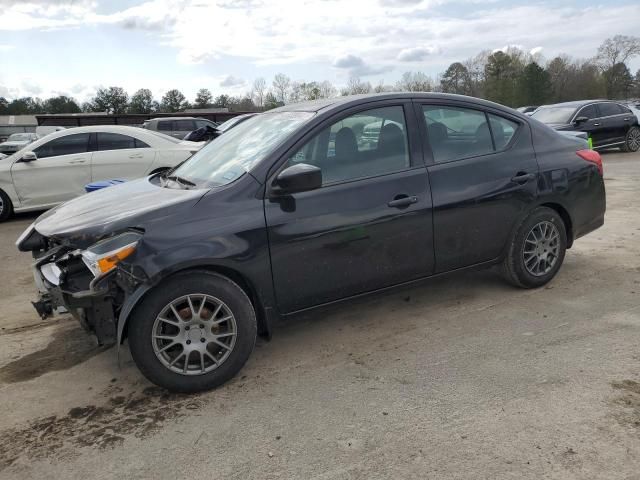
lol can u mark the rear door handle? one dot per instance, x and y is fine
(136, 155)
(402, 201)
(596, 124)
(523, 177)
(77, 160)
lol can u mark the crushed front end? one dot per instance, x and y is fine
(86, 279)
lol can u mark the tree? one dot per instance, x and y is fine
(356, 87)
(617, 49)
(25, 106)
(4, 103)
(456, 79)
(270, 101)
(221, 101)
(241, 104)
(174, 101)
(142, 102)
(634, 93)
(281, 84)
(414, 82)
(258, 91)
(203, 98)
(110, 100)
(61, 104)
(534, 85)
(500, 79)
(327, 90)
(619, 81)
(559, 76)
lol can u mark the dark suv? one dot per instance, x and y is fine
(304, 206)
(608, 124)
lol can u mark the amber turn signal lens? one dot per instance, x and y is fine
(107, 263)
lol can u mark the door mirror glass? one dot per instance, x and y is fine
(298, 178)
(29, 157)
(580, 120)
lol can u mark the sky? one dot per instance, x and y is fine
(50, 47)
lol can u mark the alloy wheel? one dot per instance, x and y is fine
(541, 248)
(194, 334)
(633, 140)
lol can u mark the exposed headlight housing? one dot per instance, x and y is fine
(103, 256)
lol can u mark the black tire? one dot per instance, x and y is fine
(632, 140)
(6, 207)
(143, 318)
(514, 268)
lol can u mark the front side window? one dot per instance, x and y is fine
(456, 133)
(67, 145)
(115, 141)
(590, 112)
(366, 144)
(165, 126)
(229, 156)
(553, 115)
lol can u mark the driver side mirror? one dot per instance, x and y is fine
(301, 177)
(580, 120)
(29, 157)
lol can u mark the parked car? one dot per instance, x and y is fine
(608, 124)
(269, 220)
(177, 127)
(528, 110)
(56, 168)
(17, 141)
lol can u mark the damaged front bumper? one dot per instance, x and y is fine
(66, 284)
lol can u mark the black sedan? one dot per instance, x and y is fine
(608, 124)
(308, 205)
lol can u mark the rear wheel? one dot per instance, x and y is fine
(6, 207)
(193, 332)
(536, 250)
(632, 140)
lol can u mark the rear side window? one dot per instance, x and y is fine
(115, 141)
(184, 125)
(141, 144)
(203, 123)
(165, 126)
(455, 133)
(607, 109)
(67, 145)
(590, 111)
(502, 130)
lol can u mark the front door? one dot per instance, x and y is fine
(60, 173)
(483, 176)
(369, 226)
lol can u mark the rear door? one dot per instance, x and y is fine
(615, 126)
(119, 156)
(482, 172)
(59, 174)
(369, 226)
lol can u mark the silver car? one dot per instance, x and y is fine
(17, 141)
(177, 127)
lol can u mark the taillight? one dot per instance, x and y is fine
(591, 156)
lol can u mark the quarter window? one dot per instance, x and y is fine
(115, 141)
(366, 144)
(67, 145)
(502, 130)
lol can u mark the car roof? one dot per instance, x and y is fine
(177, 118)
(337, 102)
(577, 103)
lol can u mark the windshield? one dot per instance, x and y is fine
(554, 114)
(227, 157)
(19, 137)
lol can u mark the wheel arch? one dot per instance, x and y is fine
(566, 219)
(263, 313)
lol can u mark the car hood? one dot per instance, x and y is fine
(16, 143)
(111, 209)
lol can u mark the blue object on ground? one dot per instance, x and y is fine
(92, 187)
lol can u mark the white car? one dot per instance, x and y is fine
(56, 168)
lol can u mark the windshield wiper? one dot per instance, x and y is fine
(182, 181)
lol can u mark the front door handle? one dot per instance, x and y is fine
(523, 177)
(136, 155)
(77, 160)
(402, 201)
(596, 124)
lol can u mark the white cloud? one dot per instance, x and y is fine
(231, 81)
(416, 54)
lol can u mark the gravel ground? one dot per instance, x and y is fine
(462, 377)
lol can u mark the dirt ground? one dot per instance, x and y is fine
(463, 377)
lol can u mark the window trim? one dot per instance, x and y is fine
(414, 148)
(577, 114)
(426, 142)
(97, 142)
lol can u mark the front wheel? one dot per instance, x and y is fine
(536, 250)
(193, 332)
(6, 207)
(632, 140)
